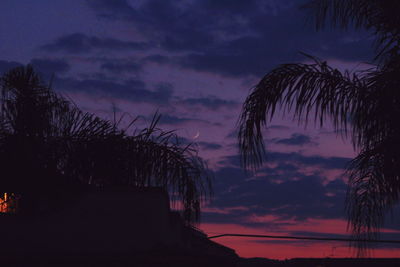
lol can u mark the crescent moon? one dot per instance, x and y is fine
(196, 135)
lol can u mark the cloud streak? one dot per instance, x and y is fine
(79, 43)
(232, 38)
(131, 89)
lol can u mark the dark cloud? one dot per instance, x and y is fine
(116, 9)
(8, 65)
(233, 134)
(174, 120)
(256, 55)
(295, 158)
(360, 49)
(209, 146)
(248, 55)
(302, 198)
(174, 25)
(234, 38)
(280, 189)
(50, 66)
(160, 59)
(295, 140)
(132, 90)
(323, 162)
(121, 67)
(230, 6)
(210, 102)
(81, 43)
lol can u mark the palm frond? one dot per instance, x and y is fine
(374, 188)
(301, 88)
(365, 104)
(374, 184)
(54, 140)
(150, 158)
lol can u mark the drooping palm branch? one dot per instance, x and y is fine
(374, 173)
(150, 157)
(364, 104)
(302, 88)
(46, 142)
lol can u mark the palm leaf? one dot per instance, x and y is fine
(364, 104)
(302, 88)
(54, 141)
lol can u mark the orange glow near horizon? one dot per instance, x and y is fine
(286, 249)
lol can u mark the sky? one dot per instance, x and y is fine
(195, 61)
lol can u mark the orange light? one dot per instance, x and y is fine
(8, 203)
(3, 203)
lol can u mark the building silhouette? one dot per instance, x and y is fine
(107, 226)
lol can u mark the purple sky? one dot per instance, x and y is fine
(195, 61)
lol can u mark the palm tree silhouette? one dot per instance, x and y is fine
(49, 149)
(363, 104)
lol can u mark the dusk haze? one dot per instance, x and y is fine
(278, 123)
